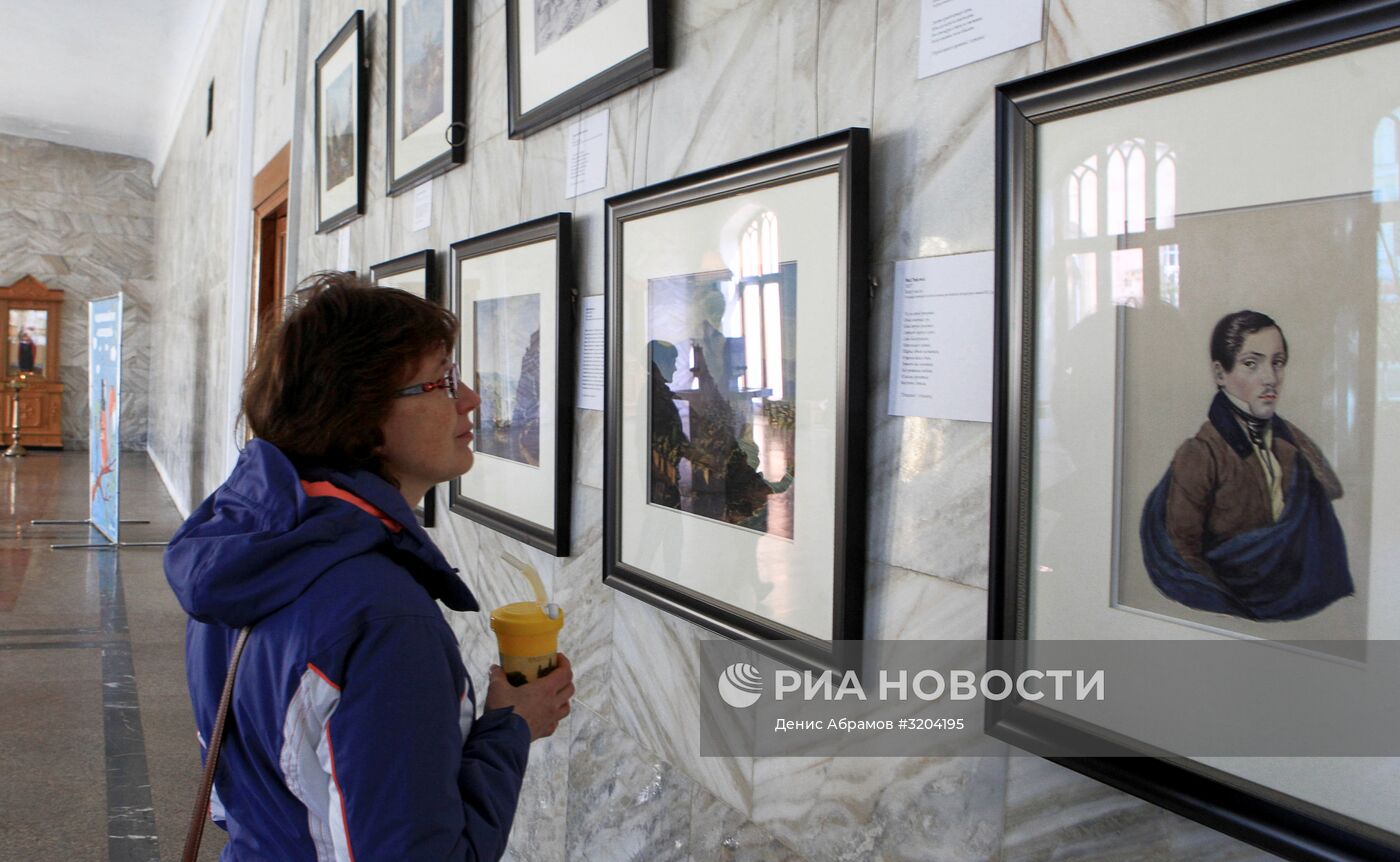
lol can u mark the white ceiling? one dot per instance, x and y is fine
(110, 75)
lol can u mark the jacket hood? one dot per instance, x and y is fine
(260, 541)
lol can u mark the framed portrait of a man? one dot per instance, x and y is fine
(1241, 531)
(1198, 380)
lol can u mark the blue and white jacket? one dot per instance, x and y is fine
(351, 732)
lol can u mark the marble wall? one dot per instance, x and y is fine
(194, 221)
(623, 779)
(276, 77)
(84, 222)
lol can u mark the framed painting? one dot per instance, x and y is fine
(1198, 345)
(28, 343)
(417, 274)
(565, 55)
(342, 118)
(513, 291)
(427, 101)
(734, 478)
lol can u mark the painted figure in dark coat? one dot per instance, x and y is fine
(26, 351)
(1242, 522)
(668, 441)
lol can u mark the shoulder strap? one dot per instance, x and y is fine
(211, 758)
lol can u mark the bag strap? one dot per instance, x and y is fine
(211, 759)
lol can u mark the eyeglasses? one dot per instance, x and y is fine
(448, 381)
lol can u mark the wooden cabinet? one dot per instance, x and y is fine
(32, 317)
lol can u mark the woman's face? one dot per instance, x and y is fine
(427, 437)
(1258, 373)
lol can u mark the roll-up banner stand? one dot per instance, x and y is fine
(104, 408)
(104, 427)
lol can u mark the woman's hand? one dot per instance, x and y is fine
(542, 702)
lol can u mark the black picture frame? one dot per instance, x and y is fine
(453, 151)
(424, 261)
(351, 37)
(549, 531)
(845, 156)
(646, 62)
(1272, 38)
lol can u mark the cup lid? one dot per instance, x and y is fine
(524, 618)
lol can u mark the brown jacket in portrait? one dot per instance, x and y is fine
(1218, 489)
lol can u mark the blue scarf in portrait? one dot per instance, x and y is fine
(1289, 570)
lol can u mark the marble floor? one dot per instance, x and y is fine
(98, 758)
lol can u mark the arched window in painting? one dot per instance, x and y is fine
(1127, 188)
(764, 310)
(758, 248)
(1082, 195)
(1385, 192)
(1168, 254)
(1082, 222)
(1166, 187)
(1127, 214)
(1126, 192)
(1385, 146)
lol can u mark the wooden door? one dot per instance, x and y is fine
(270, 243)
(269, 249)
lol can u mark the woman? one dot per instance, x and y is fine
(352, 731)
(1242, 522)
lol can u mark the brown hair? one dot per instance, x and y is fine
(321, 383)
(1227, 339)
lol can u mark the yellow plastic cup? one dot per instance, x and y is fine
(528, 640)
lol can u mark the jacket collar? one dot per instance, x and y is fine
(1222, 417)
(385, 503)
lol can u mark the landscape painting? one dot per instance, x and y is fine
(555, 18)
(340, 129)
(722, 417)
(423, 62)
(507, 377)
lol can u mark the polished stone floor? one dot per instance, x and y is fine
(98, 756)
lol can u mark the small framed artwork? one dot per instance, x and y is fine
(565, 55)
(1198, 381)
(427, 102)
(342, 117)
(417, 274)
(734, 476)
(513, 291)
(29, 343)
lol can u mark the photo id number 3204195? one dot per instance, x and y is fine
(931, 724)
